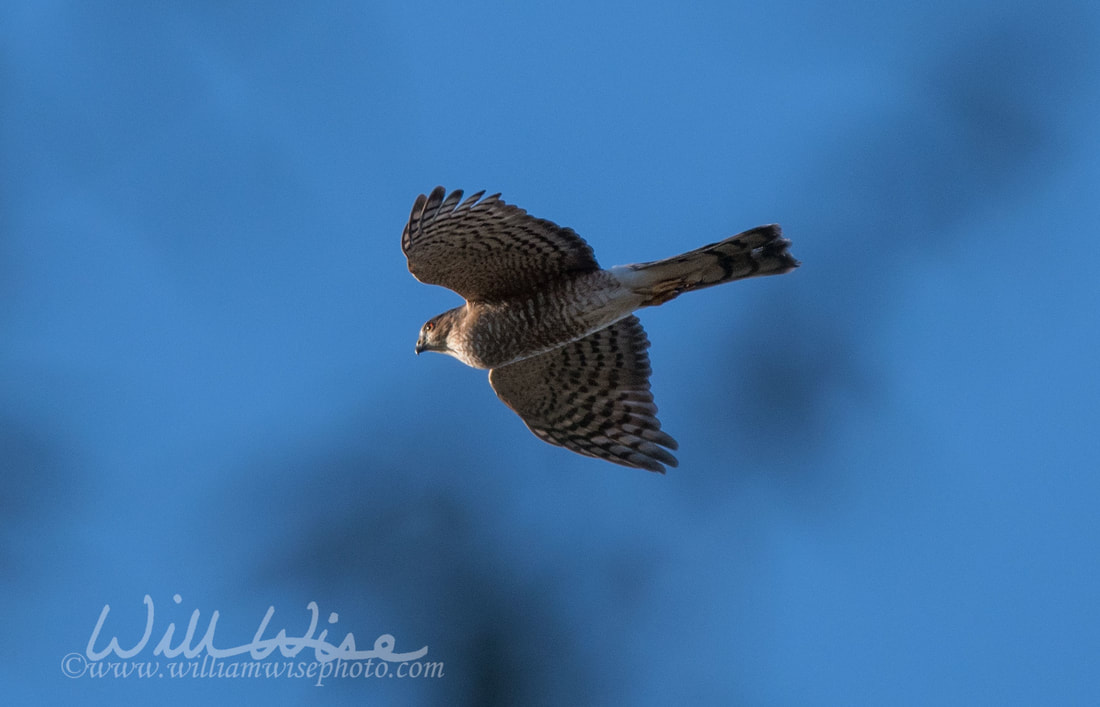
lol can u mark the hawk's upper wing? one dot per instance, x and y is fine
(485, 250)
(591, 396)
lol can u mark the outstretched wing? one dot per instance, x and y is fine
(592, 396)
(486, 250)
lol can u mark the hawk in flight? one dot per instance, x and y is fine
(557, 331)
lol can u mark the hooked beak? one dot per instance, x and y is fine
(419, 347)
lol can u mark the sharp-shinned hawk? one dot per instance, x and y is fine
(557, 332)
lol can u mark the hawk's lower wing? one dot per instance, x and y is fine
(592, 396)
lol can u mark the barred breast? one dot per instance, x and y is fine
(499, 333)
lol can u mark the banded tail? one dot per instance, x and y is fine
(756, 252)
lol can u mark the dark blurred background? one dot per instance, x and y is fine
(889, 457)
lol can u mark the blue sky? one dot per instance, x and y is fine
(888, 457)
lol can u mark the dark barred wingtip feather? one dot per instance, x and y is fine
(470, 201)
(640, 462)
(448, 205)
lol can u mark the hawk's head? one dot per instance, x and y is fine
(434, 333)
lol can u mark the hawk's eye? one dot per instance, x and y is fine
(428, 327)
